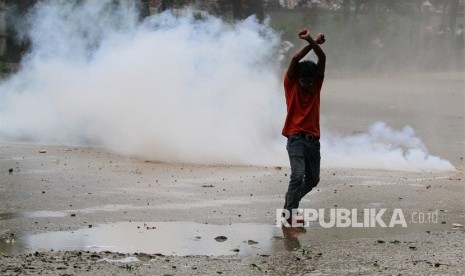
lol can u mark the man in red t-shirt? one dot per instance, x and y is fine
(302, 87)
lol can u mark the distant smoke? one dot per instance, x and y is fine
(381, 148)
(174, 88)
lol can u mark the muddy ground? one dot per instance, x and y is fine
(74, 190)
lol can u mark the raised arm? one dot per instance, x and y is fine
(312, 44)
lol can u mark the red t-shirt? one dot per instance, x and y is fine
(303, 108)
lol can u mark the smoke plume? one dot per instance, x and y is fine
(175, 88)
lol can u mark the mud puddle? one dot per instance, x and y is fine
(36, 214)
(167, 238)
(189, 238)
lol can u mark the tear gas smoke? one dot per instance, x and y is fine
(174, 88)
(381, 148)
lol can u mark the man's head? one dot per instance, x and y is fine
(306, 72)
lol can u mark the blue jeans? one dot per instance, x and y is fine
(304, 156)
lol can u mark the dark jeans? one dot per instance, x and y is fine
(304, 156)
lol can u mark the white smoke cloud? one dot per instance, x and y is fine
(381, 148)
(172, 88)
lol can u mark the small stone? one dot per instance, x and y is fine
(10, 170)
(251, 242)
(42, 151)
(207, 186)
(221, 238)
(457, 225)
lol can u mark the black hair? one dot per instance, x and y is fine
(306, 69)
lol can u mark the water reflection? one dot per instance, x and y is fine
(291, 237)
(189, 238)
(168, 238)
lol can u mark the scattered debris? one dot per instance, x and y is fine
(254, 266)
(207, 186)
(457, 225)
(420, 261)
(305, 252)
(10, 240)
(251, 242)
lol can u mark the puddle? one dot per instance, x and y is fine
(107, 208)
(37, 214)
(189, 238)
(385, 183)
(168, 238)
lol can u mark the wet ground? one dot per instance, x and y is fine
(189, 238)
(59, 207)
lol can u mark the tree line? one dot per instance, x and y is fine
(362, 33)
